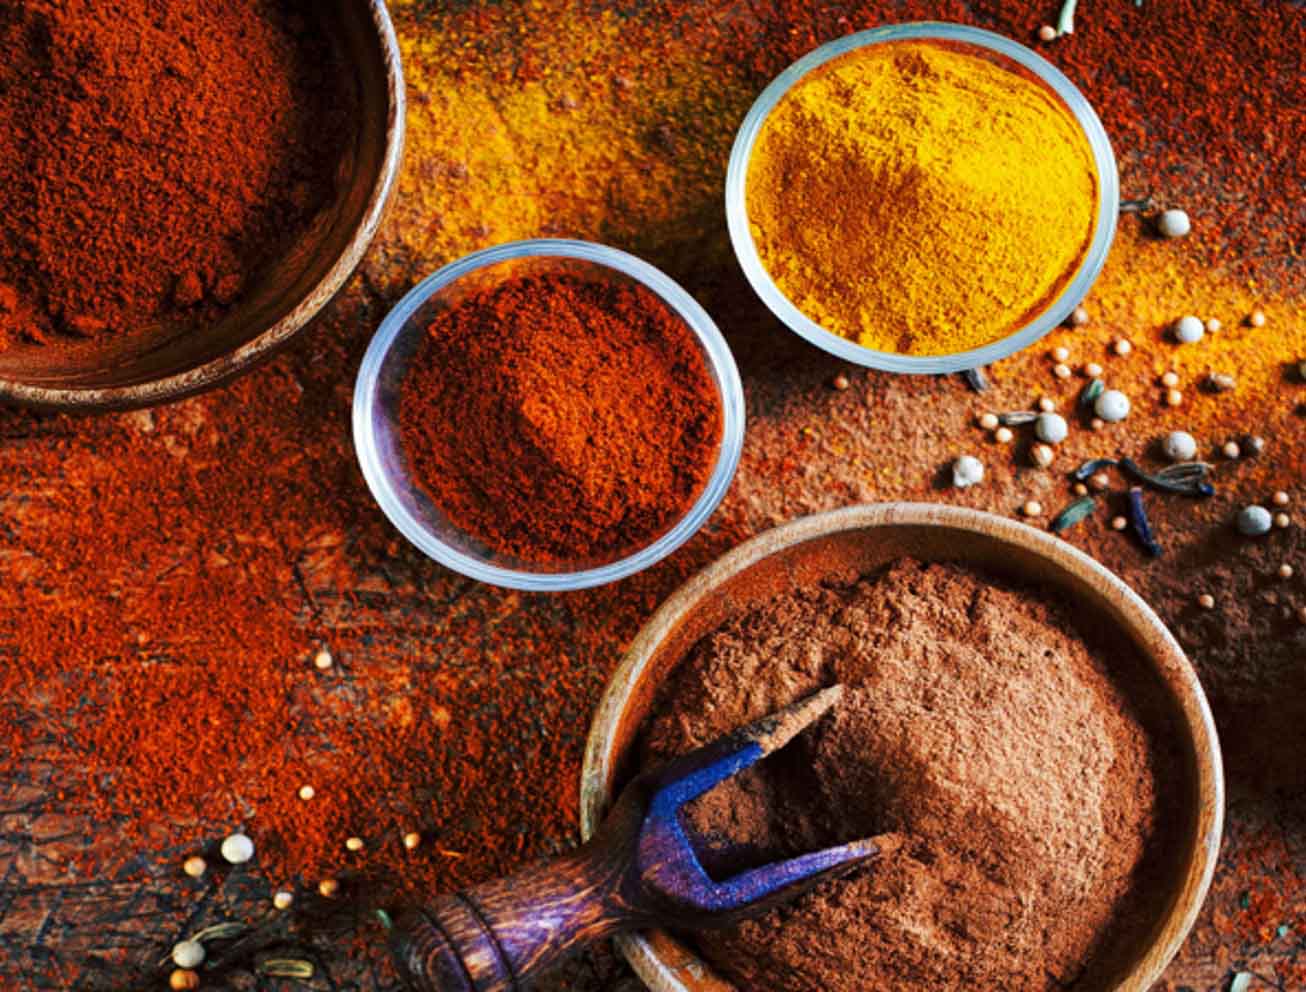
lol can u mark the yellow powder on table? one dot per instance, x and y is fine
(919, 199)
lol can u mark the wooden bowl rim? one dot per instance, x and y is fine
(1148, 631)
(224, 367)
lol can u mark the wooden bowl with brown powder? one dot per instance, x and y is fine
(180, 204)
(1018, 714)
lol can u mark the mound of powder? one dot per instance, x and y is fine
(977, 724)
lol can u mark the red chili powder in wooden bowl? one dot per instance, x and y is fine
(1009, 749)
(156, 157)
(560, 418)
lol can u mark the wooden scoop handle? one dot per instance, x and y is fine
(493, 937)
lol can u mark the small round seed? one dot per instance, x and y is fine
(1206, 601)
(1179, 446)
(1101, 481)
(1282, 521)
(1047, 404)
(1047, 33)
(1231, 450)
(1092, 370)
(1174, 224)
(282, 899)
(238, 849)
(1003, 435)
(1253, 521)
(1280, 498)
(1032, 508)
(307, 792)
(195, 866)
(1062, 371)
(1170, 380)
(323, 660)
(1119, 523)
(1213, 325)
(988, 421)
(1112, 406)
(354, 843)
(183, 980)
(1285, 571)
(1096, 424)
(411, 840)
(188, 954)
(1042, 455)
(1189, 330)
(1079, 489)
(1122, 347)
(328, 888)
(1173, 397)
(1079, 316)
(1256, 318)
(840, 382)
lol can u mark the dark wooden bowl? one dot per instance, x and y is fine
(865, 538)
(148, 367)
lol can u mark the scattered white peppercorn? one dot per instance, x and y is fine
(1280, 498)
(1285, 571)
(1112, 406)
(1062, 371)
(1061, 354)
(1220, 382)
(840, 382)
(1047, 404)
(307, 792)
(328, 888)
(1170, 380)
(1206, 601)
(967, 471)
(1282, 521)
(412, 840)
(1092, 370)
(1256, 318)
(1032, 508)
(1253, 521)
(282, 899)
(323, 660)
(188, 954)
(1096, 424)
(1173, 224)
(1079, 316)
(1100, 481)
(1042, 455)
(988, 421)
(1047, 33)
(1253, 444)
(195, 866)
(1051, 427)
(238, 849)
(1119, 523)
(1179, 446)
(1079, 489)
(1122, 347)
(1189, 329)
(1173, 397)
(1003, 435)
(354, 843)
(1231, 450)
(1213, 325)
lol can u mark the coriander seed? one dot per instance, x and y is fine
(1206, 601)
(307, 792)
(195, 866)
(1003, 435)
(1282, 521)
(1231, 450)
(323, 660)
(1047, 404)
(1062, 371)
(354, 843)
(1061, 354)
(411, 840)
(1173, 397)
(1256, 318)
(1280, 498)
(1079, 489)
(328, 888)
(1032, 508)
(1042, 455)
(1079, 316)
(282, 899)
(1122, 347)
(988, 421)
(1119, 523)
(1047, 33)
(1092, 370)
(1213, 325)
(1170, 380)
(1285, 571)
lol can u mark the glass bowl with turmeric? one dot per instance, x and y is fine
(548, 415)
(922, 197)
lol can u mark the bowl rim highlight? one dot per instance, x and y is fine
(1054, 314)
(721, 364)
(665, 964)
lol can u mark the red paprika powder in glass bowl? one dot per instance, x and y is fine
(548, 415)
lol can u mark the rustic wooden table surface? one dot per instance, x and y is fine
(586, 128)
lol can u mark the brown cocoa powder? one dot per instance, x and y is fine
(1006, 747)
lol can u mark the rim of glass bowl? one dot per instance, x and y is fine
(1108, 187)
(724, 372)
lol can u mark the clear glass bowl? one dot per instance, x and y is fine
(376, 401)
(989, 45)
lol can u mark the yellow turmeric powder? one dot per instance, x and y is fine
(919, 199)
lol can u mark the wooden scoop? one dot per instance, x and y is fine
(638, 871)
